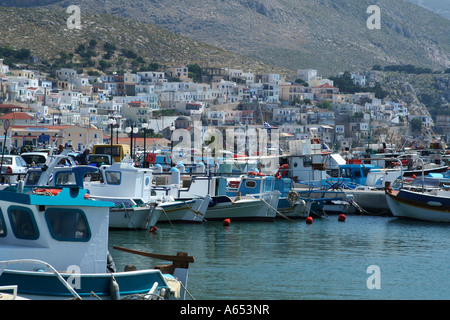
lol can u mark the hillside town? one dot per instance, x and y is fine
(81, 110)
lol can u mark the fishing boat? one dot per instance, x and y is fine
(183, 210)
(256, 184)
(217, 203)
(176, 208)
(244, 208)
(120, 183)
(419, 202)
(54, 245)
(129, 188)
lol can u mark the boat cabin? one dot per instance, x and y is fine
(355, 173)
(122, 180)
(255, 184)
(59, 225)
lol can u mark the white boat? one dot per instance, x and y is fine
(245, 208)
(255, 184)
(62, 229)
(218, 205)
(419, 203)
(129, 188)
(183, 210)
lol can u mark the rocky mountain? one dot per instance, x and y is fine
(424, 94)
(441, 7)
(328, 35)
(45, 33)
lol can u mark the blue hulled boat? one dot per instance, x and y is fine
(45, 229)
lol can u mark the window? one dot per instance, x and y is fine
(21, 162)
(33, 178)
(307, 161)
(7, 160)
(23, 223)
(113, 177)
(67, 224)
(250, 184)
(65, 178)
(2, 226)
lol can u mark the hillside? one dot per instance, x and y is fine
(438, 6)
(328, 35)
(44, 31)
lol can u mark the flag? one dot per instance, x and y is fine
(267, 126)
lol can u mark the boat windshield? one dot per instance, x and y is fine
(426, 181)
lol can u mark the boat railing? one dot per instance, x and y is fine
(7, 288)
(5, 263)
(423, 168)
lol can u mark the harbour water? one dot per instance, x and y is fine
(365, 257)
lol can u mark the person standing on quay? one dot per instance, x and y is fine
(82, 158)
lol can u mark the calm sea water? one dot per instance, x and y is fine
(282, 260)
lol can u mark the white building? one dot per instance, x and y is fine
(306, 74)
(65, 74)
(4, 69)
(359, 79)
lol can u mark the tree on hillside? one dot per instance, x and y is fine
(345, 83)
(416, 124)
(195, 72)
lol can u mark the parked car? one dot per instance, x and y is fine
(12, 164)
(35, 159)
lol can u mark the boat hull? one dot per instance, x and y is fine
(244, 209)
(419, 206)
(296, 210)
(181, 211)
(137, 218)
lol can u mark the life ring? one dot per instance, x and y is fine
(282, 171)
(151, 158)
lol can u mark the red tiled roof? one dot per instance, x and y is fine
(16, 116)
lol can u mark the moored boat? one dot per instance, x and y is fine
(256, 184)
(129, 188)
(245, 208)
(419, 204)
(65, 230)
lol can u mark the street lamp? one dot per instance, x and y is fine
(144, 162)
(111, 123)
(132, 130)
(172, 129)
